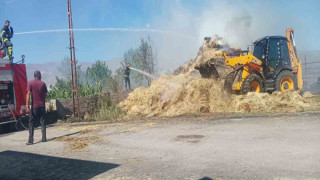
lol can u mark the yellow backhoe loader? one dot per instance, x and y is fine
(273, 66)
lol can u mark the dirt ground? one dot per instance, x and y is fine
(187, 147)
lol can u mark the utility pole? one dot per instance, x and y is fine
(74, 76)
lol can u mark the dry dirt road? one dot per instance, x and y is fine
(282, 147)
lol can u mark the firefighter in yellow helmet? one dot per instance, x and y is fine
(6, 35)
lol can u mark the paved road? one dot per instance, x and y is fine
(286, 147)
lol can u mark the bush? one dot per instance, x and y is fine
(66, 92)
(104, 111)
(113, 84)
(90, 89)
(56, 93)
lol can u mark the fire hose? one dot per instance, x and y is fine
(15, 119)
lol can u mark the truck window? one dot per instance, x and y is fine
(259, 49)
(284, 52)
(274, 50)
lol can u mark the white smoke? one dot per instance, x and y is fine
(178, 31)
(240, 23)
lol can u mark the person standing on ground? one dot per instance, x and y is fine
(38, 91)
(6, 35)
(126, 76)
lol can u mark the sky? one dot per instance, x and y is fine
(176, 27)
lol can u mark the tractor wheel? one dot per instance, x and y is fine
(286, 80)
(229, 81)
(252, 83)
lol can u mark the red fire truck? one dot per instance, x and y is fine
(13, 90)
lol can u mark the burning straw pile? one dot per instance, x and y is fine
(176, 95)
(187, 93)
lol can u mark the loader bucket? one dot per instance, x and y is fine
(214, 68)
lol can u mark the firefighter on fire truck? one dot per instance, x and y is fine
(6, 35)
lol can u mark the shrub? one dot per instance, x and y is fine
(105, 110)
(66, 92)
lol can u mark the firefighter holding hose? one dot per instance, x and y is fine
(6, 35)
(126, 75)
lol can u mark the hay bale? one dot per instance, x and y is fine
(308, 94)
(176, 95)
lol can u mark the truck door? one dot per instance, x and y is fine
(278, 56)
(260, 53)
(273, 57)
(284, 55)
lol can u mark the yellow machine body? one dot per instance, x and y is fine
(249, 75)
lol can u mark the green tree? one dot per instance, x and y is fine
(65, 69)
(130, 57)
(143, 58)
(62, 84)
(113, 83)
(86, 86)
(99, 72)
(117, 81)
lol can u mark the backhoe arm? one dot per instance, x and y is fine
(295, 63)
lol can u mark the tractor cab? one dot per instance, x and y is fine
(274, 54)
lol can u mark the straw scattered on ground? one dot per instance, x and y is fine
(86, 135)
(84, 129)
(308, 94)
(79, 142)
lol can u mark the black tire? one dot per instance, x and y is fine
(247, 84)
(8, 127)
(229, 81)
(285, 74)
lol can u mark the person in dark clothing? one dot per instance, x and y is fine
(38, 91)
(126, 76)
(6, 35)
